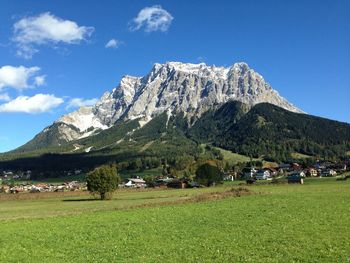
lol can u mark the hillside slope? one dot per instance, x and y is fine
(263, 131)
(273, 132)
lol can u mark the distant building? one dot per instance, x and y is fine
(136, 182)
(312, 172)
(263, 175)
(273, 171)
(296, 167)
(162, 182)
(328, 173)
(7, 173)
(229, 177)
(284, 167)
(179, 183)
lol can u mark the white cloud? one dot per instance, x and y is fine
(4, 97)
(39, 103)
(113, 43)
(40, 80)
(153, 18)
(19, 77)
(46, 28)
(79, 102)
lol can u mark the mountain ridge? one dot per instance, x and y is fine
(172, 87)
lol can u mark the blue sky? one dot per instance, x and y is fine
(53, 54)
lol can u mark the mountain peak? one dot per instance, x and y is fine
(174, 87)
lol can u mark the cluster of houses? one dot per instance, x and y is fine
(18, 182)
(293, 171)
(159, 182)
(41, 187)
(320, 169)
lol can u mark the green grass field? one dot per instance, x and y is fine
(300, 156)
(234, 158)
(279, 223)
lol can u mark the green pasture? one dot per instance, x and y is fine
(278, 223)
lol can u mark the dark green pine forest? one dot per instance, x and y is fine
(265, 131)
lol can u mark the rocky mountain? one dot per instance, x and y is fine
(178, 115)
(172, 88)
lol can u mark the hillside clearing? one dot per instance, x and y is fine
(300, 156)
(234, 158)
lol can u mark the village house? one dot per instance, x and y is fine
(296, 167)
(7, 174)
(163, 182)
(284, 167)
(5, 189)
(229, 176)
(328, 173)
(312, 172)
(135, 183)
(179, 183)
(273, 171)
(263, 175)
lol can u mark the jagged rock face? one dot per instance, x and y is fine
(174, 86)
(113, 105)
(196, 88)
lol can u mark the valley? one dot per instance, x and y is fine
(174, 131)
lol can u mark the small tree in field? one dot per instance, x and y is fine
(208, 174)
(104, 181)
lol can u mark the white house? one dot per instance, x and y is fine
(263, 175)
(135, 182)
(229, 177)
(312, 172)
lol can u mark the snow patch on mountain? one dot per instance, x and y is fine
(83, 119)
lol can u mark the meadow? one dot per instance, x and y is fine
(276, 223)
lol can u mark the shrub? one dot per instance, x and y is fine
(104, 181)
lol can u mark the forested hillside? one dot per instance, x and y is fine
(264, 131)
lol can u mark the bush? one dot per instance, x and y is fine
(104, 181)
